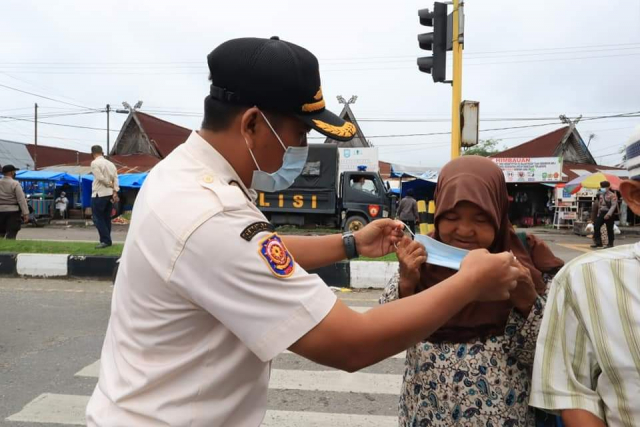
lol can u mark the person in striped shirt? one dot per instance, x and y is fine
(587, 363)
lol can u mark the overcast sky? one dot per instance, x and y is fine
(524, 59)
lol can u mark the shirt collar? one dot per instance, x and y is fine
(211, 158)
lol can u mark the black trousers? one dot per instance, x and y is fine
(10, 224)
(600, 221)
(101, 210)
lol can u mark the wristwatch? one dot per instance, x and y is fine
(349, 241)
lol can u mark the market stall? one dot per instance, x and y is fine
(42, 188)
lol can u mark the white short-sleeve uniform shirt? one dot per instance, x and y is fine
(206, 296)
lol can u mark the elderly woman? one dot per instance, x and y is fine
(476, 369)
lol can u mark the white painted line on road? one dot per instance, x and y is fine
(319, 419)
(69, 410)
(92, 370)
(402, 355)
(54, 409)
(371, 274)
(42, 265)
(335, 381)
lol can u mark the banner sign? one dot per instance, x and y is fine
(530, 169)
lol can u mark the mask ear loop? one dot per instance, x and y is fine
(406, 227)
(252, 156)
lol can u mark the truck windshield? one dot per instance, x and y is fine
(365, 184)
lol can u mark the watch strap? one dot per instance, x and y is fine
(349, 241)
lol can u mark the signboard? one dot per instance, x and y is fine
(470, 116)
(568, 215)
(352, 158)
(531, 169)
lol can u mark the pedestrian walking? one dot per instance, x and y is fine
(607, 205)
(474, 370)
(207, 293)
(13, 204)
(104, 192)
(587, 363)
(408, 211)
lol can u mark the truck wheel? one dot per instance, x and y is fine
(355, 223)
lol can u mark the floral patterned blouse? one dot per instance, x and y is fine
(479, 383)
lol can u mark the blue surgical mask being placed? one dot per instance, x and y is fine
(441, 254)
(292, 164)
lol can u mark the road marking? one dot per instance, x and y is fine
(286, 379)
(402, 355)
(70, 410)
(580, 248)
(54, 409)
(335, 381)
(92, 370)
(318, 419)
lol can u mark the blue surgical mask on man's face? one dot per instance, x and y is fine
(292, 164)
(441, 254)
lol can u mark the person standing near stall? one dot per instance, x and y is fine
(13, 204)
(104, 193)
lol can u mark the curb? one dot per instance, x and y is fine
(345, 274)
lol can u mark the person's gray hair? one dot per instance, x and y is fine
(96, 149)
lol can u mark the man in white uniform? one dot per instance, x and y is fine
(207, 294)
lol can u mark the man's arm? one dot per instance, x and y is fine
(22, 200)
(614, 204)
(391, 328)
(580, 418)
(375, 240)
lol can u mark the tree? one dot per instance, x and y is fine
(485, 148)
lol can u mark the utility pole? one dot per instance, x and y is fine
(457, 34)
(35, 139)
(108, 131)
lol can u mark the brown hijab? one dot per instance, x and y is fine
(480, 181)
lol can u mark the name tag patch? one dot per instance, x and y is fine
(277, 257)
(255, 228)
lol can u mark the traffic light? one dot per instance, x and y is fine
(436, 42)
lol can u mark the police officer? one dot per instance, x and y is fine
(208, 294)
(13, 204)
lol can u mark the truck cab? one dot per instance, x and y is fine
(364, 198)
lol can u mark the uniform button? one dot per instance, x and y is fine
(208, 179)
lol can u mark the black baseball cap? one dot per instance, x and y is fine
(277, 75)
(8, 168)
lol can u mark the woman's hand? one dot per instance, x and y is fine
(524, 295)
(412, 256)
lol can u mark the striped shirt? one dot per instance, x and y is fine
(588, 351)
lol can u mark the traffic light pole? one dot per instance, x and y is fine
(457, 82)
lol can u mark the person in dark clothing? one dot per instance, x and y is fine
(408, 211)
(607, 204)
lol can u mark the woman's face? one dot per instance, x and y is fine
(466, 227)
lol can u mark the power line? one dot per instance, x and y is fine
(46, 97)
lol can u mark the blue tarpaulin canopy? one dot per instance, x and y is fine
(126, 181)
(59, 178)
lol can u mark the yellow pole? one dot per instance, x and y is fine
(457, 83)
(422, 213)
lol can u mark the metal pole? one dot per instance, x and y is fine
(108, 131)
(35, 139)
(457, 81)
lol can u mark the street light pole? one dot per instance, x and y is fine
(108, 130)
(457, 78)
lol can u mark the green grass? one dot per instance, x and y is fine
(293, 231)
(45, 247)
(389, 257)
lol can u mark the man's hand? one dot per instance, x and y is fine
(607, 217)
(115, 198)
(378, 238)
(411, 255)
(491, 277)
(25, 218)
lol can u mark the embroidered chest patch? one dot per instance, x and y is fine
(277, 257)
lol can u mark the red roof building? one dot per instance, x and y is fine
(144, 134)
(52, 156)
